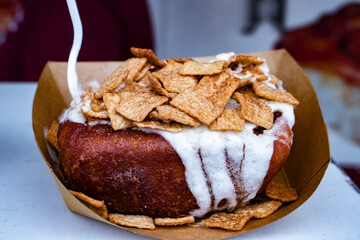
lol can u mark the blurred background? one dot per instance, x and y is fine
(322, 35)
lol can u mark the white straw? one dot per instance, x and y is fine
(72, 77)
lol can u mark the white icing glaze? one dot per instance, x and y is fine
(224, 56)
(264, 67)
(286, 109)
(73, 113)
(214, 147)
(144, 84)
(205, 153)
(96, 122)
(94, 84)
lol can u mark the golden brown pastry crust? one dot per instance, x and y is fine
(133, 171)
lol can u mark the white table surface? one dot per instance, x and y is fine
(31, 206)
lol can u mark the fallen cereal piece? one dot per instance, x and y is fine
(113, 81)
(143, 71)
(137, 221)
(274, 94)
(171, 79)
(136, 106)
(245, 60)
(174, 221)
(196, 68)
(52, 135)
(228, 221)
(170, 127)
(90, 101)
(118, 121)
(168, 112)
(280, 192)
(95, 205)
(148, 54)
(156, 84)
(229, 120)
(260, 210)
(255, 111)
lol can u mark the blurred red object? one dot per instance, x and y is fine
(331, 47)
(331, 44)
(7, 13)
(111, 27)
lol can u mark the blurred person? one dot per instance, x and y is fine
(10, 15)
(110, 28)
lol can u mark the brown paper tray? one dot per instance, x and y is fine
(303, 170)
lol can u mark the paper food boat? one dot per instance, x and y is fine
(303, 170)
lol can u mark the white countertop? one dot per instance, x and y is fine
(31, 206)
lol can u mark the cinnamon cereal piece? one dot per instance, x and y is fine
(257, 74)
(118, 121)
(128, 70)
(136, 87)
(260, 210)
(134, 65)
(136, 106)
(179, 60)
(249, 92)
(52, 135)
(274, 80)
(89, 101)
(154, 115)
(208, 99)
(228, 221)
(144, 81)
(196, 68)
(158, 86)
(255, 111)
(143, 71)
(148, 54)
(97, 105)
(244, 78)
(274, 94)
(174, 221)
(168, 112)
(113, 81)
(245, 60)
(280, 192)
(137, 221)
(217, 88)
(95, 205)
(171, 79)
(229, 120)
(170, 127)
(196, 106)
